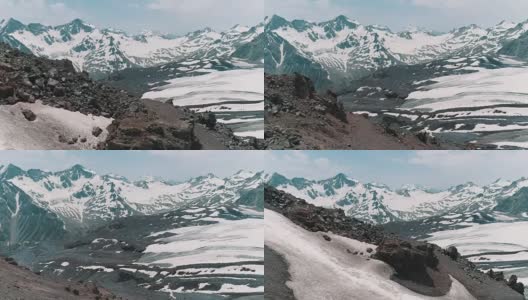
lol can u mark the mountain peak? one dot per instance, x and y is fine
(10, 171)
(12, 25)
(343, 18)
(341, 176)
(78, 167)
(276, 22)
(76, 172)
(75, 27)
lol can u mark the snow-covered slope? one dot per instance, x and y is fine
(347, 49)
(379, 203)
(312, 259)
(80, 197)
(101, 51)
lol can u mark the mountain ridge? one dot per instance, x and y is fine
(378, 203)
(103, 51)
(77, 199)
(347, 50)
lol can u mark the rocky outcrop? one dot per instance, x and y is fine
(297, 117)
(137, 124)
(511, 282)
(411, 261)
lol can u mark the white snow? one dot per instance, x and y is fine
(156, 197)
(224, 242)
(479, 238)
(18, 133)
(314, 264)
(107, 49)
(252, 133)
(482, 88)
(213, 88)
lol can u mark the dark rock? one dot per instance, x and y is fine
(59, 91)
(29, 115)
(515, 285)
(410, 262)
(6, 91)
(62, 139)
(52, 82)
(327, 238)
(452, 252)
(499, 276)
(97, 131)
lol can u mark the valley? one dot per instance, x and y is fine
(461, 88)
(149, 238)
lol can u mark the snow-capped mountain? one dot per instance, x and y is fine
(102, 50)
(380, 204)
(79, 198)
(345, 49)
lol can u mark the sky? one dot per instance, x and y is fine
(166, 16)
(438, 15)
(169, 165)
(435, 169)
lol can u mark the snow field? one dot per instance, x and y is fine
(315, 263)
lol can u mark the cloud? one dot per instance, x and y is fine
(482, 12)
(203, 9)
(44, 11)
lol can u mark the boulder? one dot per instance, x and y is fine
(515, 285)
(29, 115)
(97, 131)
(452, 252)
(6, 91)
(410, 261)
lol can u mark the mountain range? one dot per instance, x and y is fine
(339, 50)
(380, 204)
(101, 51)
(40, 205)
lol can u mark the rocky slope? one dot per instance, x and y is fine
(424, 269)
(58, 108)
(101, 51)
(20, 283)
(296, 117)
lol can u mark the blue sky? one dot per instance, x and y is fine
(437, 169)
(440, 15)
(168, 16)
(171, 165)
